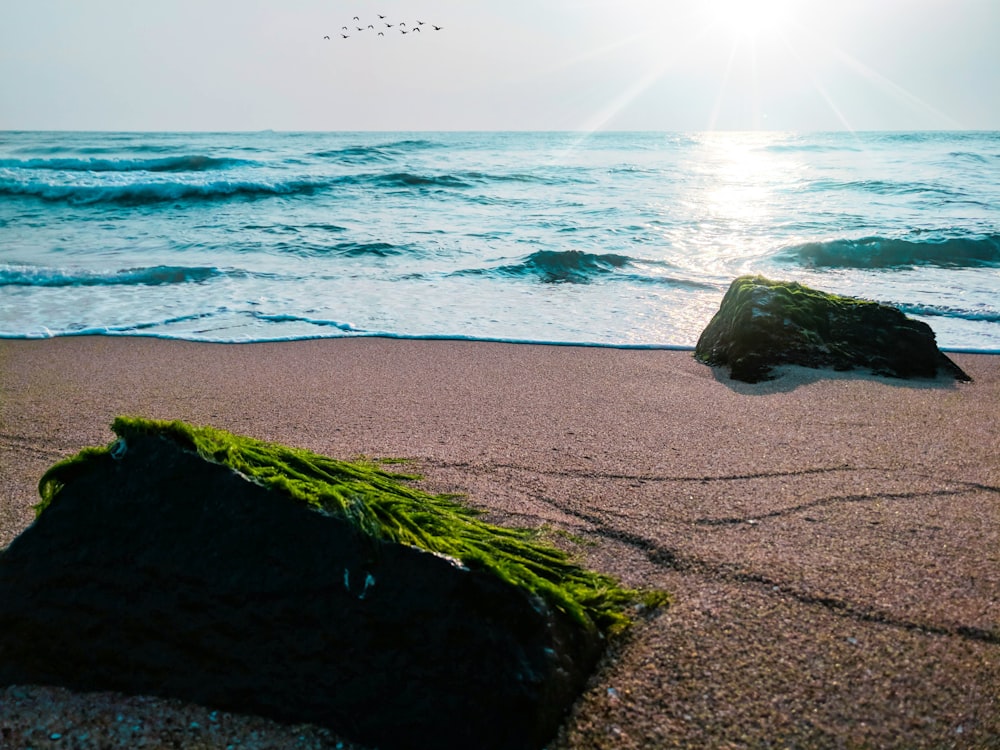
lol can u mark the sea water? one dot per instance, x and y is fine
(625, 239)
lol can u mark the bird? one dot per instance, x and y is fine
(421, 23)
(382, 18)
(389, 25)
(436, 28)
(344, 28)
(360, 29)
(381, 34)
(345, 36)
(402, 23)
(326, 37)
(402, 31)
(370, 26)
(356, 18)
(415, 28)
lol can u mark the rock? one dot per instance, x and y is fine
(762, 323)
(187, 562)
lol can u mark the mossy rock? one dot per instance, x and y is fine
(763, 323)
(189, 562)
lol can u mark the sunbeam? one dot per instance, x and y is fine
(893, 88)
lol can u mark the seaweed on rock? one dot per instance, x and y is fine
(380, 506)
(192, 563)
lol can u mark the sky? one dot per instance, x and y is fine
(676, 65)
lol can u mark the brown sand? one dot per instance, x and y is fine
(832, 541)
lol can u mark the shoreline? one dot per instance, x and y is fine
(437, 337)
(830, 539)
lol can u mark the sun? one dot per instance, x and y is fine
(750, 19)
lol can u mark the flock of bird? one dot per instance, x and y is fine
(382, 27)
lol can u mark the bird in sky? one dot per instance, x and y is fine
(401, 25)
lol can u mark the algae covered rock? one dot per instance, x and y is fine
(188, 562)
(762, 323)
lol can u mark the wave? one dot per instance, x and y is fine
(810, 148)
(557, 266)
(409, 179)
(290, 318)
(673, 281)
(355, 155)
(948, 311)
(127, 141)
(153, 276)
(401, 180)
(186, 163)
(883, 187)
(882, 252)
(578, 267)
(412, 144)
(382, 152)
(293, 228)
(971, 156)
(368, 249)
(347, 249)
(142, 193)
(451, 180)
(463, 180)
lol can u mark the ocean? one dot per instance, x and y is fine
(617, 239)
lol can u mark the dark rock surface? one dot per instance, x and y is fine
(762, 324)
(158, 572)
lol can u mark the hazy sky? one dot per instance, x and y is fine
(500, 65)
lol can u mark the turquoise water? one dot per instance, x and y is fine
(609, 238)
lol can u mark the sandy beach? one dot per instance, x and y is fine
(832, 540)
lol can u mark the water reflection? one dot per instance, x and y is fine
(738, 187)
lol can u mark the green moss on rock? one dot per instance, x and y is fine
(763, 323)
(380, 506)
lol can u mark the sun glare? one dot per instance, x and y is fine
(750, 18)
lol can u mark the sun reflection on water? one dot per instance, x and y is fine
(738, 186)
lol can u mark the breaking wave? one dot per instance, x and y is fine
(578, 267)
(882, 252)
(142, 193)
(188, 163)
(559, 266)
(152, 276)
(948, 311)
